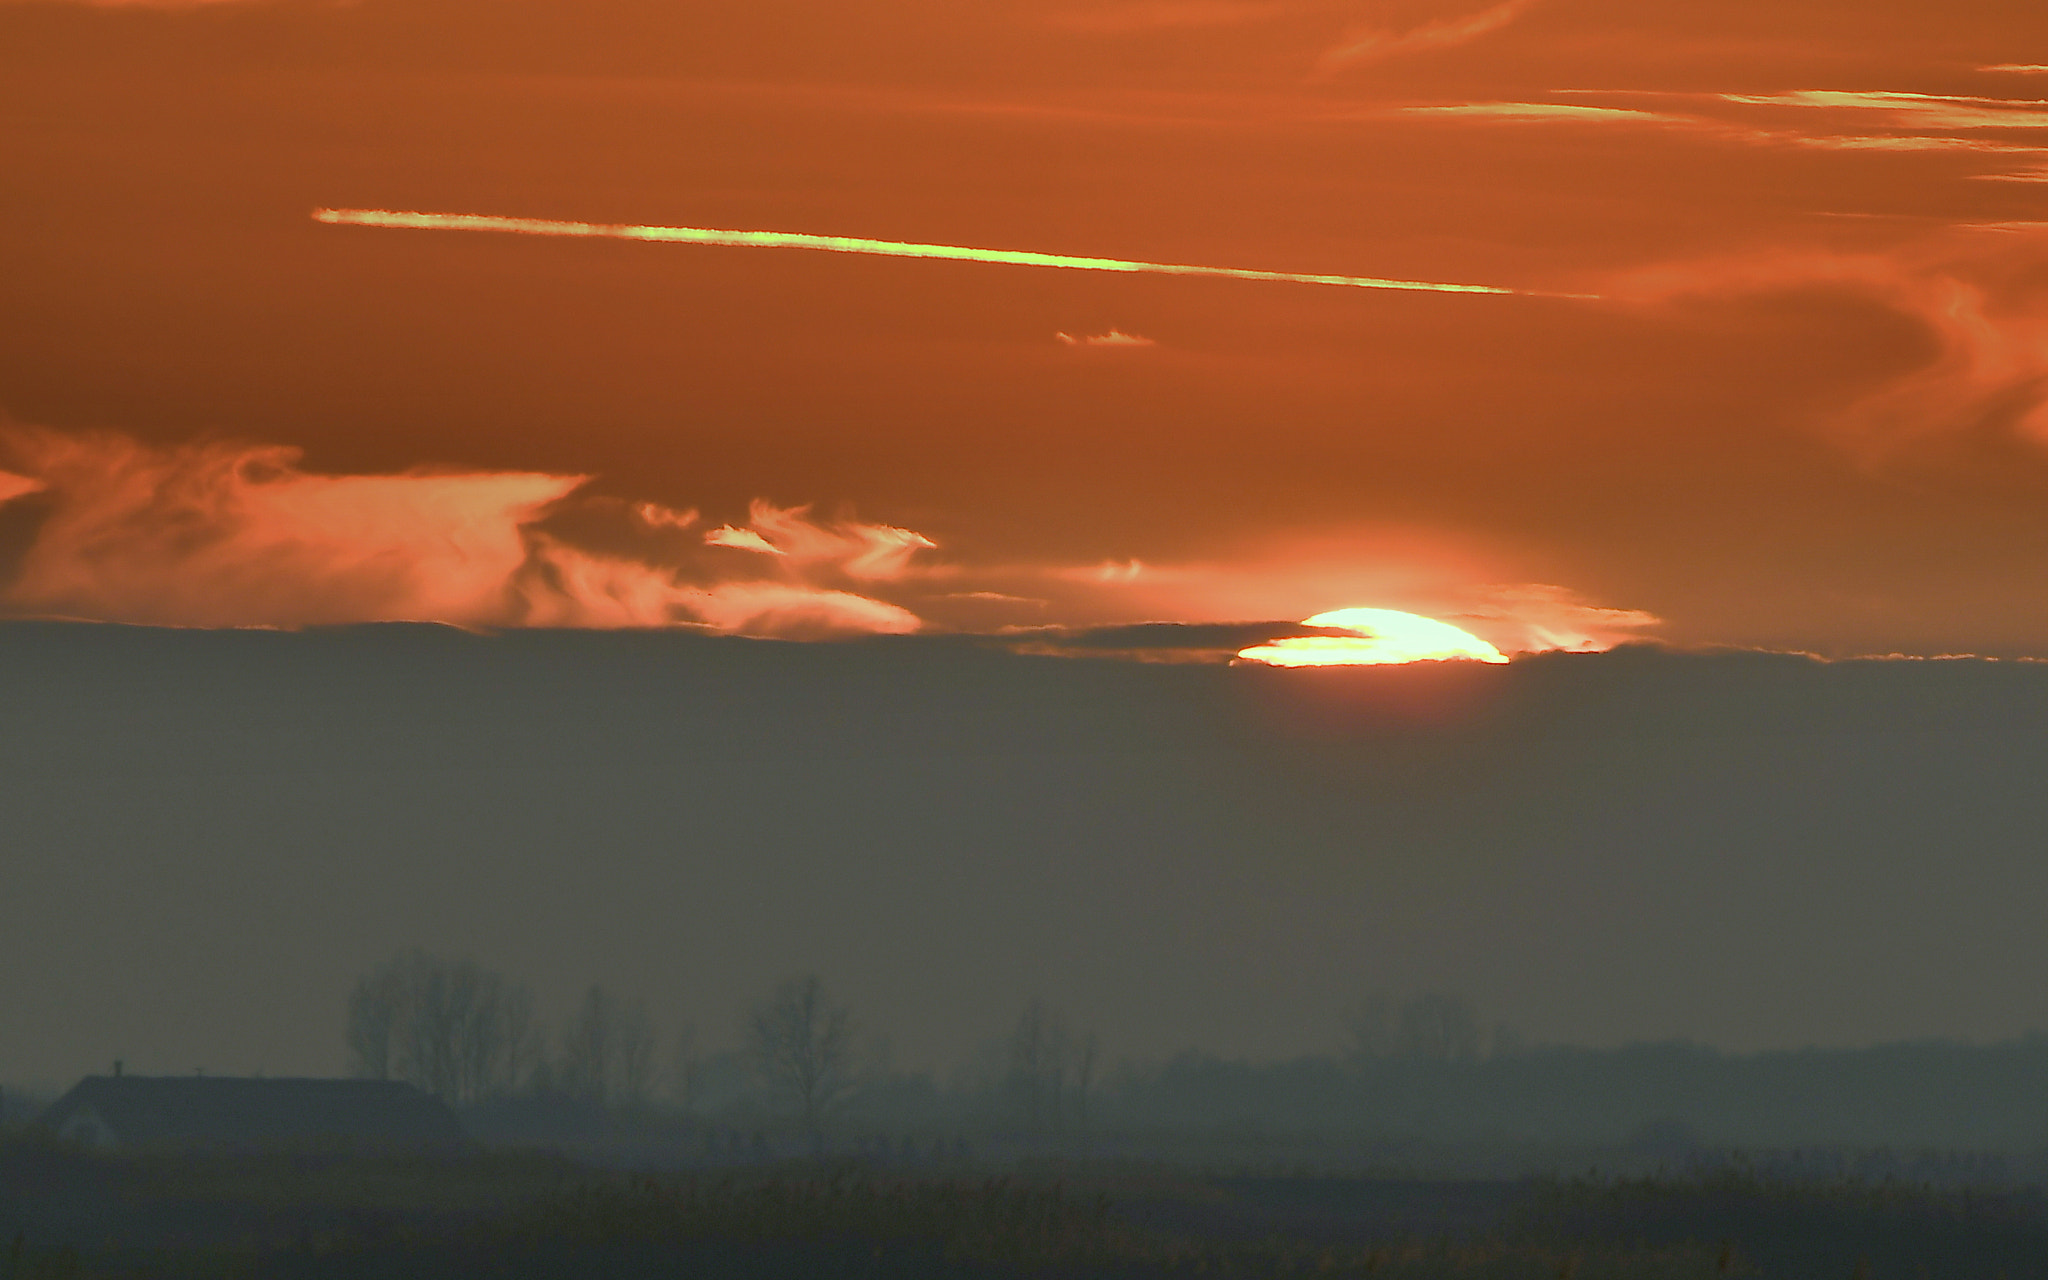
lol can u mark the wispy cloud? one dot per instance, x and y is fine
(1157, 15)
(1810, 119)
(1910, 110)
(1907, 142)
(796, 611)
(1371, 43)
(153, 4)
(1538, 617)
(384, 218)
(740, 540)
(652, 515)
(866, 552)
(1543, 113)
(1978, 300)
(1114, 338)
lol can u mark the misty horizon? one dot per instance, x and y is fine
(1179, 855)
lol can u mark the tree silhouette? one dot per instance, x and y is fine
(802, 1045)
(449, 1026)
(608, 1052)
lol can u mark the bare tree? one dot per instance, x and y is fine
(633, 1046)
(525, 1042)
(488, 1019)
(688, 1074)
(1439, 1028)
(608, 1052)
(448, 1026)
(1086, 1052)
(1037, 1076)
(375, 1007)
(802, 1045)
(589, 1049)
(1368, 1026)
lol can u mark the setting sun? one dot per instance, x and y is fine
(1379, 637)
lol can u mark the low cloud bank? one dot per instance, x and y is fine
(227, 534)
(221, 533)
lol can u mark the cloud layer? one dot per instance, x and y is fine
(222, 534)
(215, 533)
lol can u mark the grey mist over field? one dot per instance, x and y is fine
(210, 835)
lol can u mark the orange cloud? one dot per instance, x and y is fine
(865, 552)
(1156, 15)
(793, 611)
(652, 515)
(575, 588)
(1296, 575)
(1989, 374)
(1541, 617)
(1979, 301)
(1372, 43)
(1114, 338)
(740, 540)
(1911, 142)
(218, 533)
(221, 534)
(1544, 113)
(1910, 110)
(1925, 123)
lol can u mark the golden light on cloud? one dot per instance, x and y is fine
(1380, 637)
(883, 248)
(1114, 338)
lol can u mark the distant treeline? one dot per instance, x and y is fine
(1662, 1098)
(1416, 1073)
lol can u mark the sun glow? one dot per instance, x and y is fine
(1378, 637)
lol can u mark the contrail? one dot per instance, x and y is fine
(849, 244)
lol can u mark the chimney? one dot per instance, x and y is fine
(117, 1068)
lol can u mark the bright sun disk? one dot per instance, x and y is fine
(1379, 637)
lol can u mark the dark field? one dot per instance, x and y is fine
(316, 1216)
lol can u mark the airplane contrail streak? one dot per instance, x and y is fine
(885, 248)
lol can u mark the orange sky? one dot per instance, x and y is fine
(1809, 411)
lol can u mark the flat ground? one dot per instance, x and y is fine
(321, 1215)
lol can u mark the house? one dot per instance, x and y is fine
(228, 1113)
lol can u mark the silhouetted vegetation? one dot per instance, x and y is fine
(1422, 1084)
(308, 1216)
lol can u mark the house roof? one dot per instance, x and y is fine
(229, 1111)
